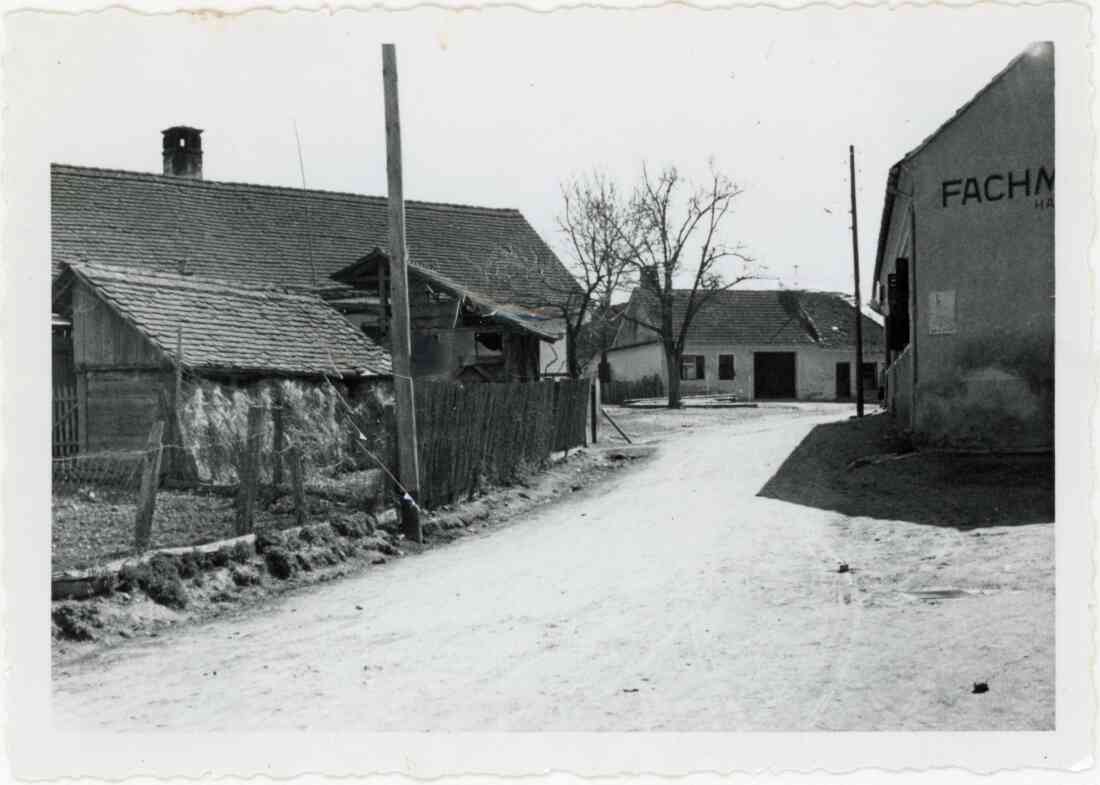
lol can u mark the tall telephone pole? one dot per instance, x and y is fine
(408, 466)
(855, 263)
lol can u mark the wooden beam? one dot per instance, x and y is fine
(408, 461)
(617, 428)
(459, 299)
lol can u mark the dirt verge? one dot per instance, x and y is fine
(144, 597)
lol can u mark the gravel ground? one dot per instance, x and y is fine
(676, 597)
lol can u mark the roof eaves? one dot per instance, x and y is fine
(887, 215)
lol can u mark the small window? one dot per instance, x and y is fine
(725, 367)
(693, 367)
(488, 344)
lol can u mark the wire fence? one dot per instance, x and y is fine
(227, 459)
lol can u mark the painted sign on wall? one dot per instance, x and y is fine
(997, 186)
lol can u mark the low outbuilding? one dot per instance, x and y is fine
(136, 334)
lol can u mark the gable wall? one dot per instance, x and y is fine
(984, 216)
(102, 339)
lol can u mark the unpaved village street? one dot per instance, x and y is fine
(672, 597)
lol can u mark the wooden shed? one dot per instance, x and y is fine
(135, 331)
(458, 333)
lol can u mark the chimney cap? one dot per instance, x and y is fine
(190, 128)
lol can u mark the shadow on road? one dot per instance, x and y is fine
(938, 489)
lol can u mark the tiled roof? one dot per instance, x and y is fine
(288, 236)
(230, 326)
(769, 317)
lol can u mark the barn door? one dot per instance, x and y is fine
(774, 375)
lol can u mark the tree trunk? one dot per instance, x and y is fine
(672, 363)
(572, 366)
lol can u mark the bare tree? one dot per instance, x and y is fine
(672, 234)
(595, 222)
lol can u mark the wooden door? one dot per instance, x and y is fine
(774, 375)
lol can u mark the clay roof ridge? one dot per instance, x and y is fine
(126, 174)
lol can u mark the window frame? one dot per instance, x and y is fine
(699, 361)
(732, 367)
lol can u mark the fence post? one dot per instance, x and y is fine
(297, 483)
(147, 495)
(250, 470)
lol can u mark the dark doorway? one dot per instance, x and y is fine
(870, 381)
(773, 375)
(843, 381)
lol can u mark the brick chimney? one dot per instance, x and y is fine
(183, 151)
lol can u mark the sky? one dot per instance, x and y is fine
(500, 107)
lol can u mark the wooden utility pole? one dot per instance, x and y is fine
(408, 466)
(855, 263)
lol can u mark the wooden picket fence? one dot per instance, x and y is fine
(617, 392)
(66, 423)
(492, 431)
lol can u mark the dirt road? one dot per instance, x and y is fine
(674, 598)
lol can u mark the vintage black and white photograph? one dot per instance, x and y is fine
(667, 370)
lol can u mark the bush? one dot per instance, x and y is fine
(321, 533)
(267, 539)
(218, 558)
(351, 528)
(244, 575)
(76, 623)
(104, 584)
(190, 564)
(279, 562)
(241, 552)
(159, 578)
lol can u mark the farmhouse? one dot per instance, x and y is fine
(964, 273)
(480, 279)
(132, 329)
(753, 344)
